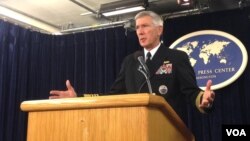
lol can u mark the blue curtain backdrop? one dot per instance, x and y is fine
(31, 64)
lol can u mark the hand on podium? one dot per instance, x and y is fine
(70, 92)
(208, 96)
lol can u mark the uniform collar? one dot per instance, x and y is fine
(153, 51)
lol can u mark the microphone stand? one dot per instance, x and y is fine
(147, 80)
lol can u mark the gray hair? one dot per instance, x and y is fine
(157, 20)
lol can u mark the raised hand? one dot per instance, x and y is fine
(70, 92)
(208, 96)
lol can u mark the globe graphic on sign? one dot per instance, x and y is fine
(214, 55)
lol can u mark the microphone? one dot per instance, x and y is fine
(145, 71)
(143, 64)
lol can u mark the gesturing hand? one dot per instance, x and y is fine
(70, 92)
(208, 96)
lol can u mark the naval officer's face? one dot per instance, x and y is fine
(147, 32)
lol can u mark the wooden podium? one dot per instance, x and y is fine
(128, 117)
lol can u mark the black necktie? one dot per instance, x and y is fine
(148, 58)
(148, 61)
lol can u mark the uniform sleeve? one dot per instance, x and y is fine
(187, 81)
(119, 86)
